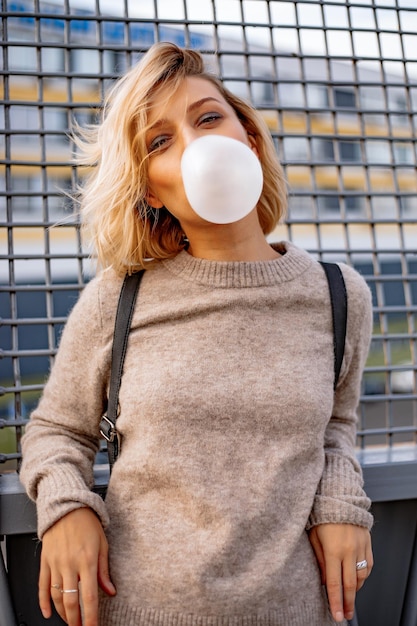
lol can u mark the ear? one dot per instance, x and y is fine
(153, 200)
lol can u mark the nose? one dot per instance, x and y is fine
(189, 134)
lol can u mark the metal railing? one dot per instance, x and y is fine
(337, 84)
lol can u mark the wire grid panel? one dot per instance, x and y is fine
(337, 84)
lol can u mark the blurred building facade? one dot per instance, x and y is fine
(344, 126)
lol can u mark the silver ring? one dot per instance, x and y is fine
(69, 590)
(362, 564)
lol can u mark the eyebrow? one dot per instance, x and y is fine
(193, 106)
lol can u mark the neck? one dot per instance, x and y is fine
(240, 241)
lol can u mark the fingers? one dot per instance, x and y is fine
(364, 564)
(69, 595)
(350, 582)
(68, 606)
(364, 567)
(342, 582)
(362, 572)
(335, 586)
(103, 574)
(65, 599)
(64, 595)
(89, 601)
(340, 549)
(318, 550)
(74, 561)
(354, 577)
(44, 590)
(68, 599)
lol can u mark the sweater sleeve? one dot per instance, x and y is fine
(62, 436)
(340, 497)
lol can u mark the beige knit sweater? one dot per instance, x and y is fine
(232, 443)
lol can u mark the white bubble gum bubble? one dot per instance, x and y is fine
(222, 178)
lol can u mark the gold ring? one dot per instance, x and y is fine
(56, 586)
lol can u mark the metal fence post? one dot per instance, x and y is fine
(7, 617)
(409, 616)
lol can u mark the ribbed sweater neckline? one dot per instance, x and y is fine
(226, 274)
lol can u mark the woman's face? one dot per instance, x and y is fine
(195, 109)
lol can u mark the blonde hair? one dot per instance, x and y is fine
(125, 232)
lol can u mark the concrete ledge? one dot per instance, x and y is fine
(389, 476)
(18, 513)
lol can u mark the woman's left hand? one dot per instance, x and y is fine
(338, 548)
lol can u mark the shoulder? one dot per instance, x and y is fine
(358, 292)
(359, 310)
(98, 299)
(359, 303)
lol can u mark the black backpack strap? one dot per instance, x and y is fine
(338, 299)
(124, 314)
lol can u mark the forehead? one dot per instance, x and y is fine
(191, 89)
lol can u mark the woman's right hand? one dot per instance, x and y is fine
(74, 557)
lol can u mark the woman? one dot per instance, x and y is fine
(236, 497)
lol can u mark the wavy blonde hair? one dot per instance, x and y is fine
(125, 232)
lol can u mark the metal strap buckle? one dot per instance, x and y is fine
(107, 429)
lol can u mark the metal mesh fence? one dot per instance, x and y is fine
(337, 84)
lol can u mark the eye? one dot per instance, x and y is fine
(157, 143)
(210, 118)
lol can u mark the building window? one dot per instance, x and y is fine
(344, 98)
(350, 151)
